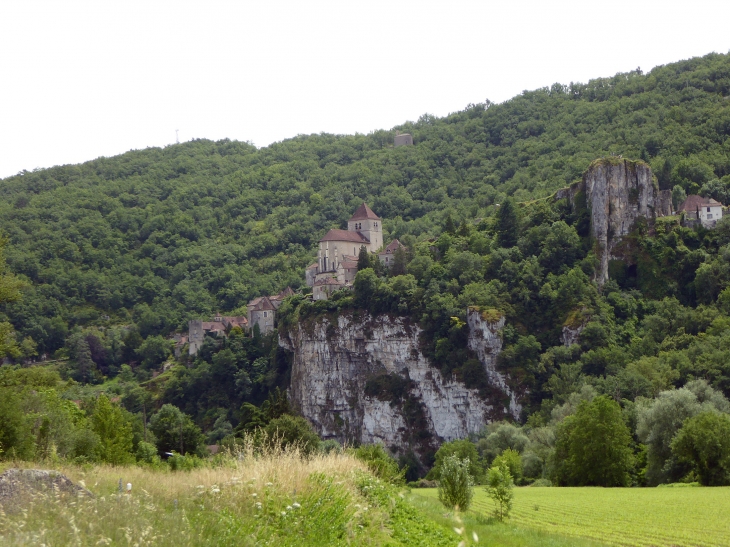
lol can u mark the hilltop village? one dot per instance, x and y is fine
(335, 269)
(336, 266)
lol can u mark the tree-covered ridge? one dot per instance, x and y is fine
(158, 236)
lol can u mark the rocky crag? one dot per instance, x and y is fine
(359, 378)
(617, 193)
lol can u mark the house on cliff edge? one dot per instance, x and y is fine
(262, 310)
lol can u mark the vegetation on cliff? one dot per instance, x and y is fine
(120, 252)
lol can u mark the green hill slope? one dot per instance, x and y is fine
(161, 235)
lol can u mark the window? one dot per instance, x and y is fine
(709, 216)
(708, 209)
(265, 314)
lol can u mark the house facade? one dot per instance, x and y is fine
(219, 326)
(262, 310)
(387, 255)
(698, 209)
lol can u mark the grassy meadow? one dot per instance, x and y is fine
(657, 517)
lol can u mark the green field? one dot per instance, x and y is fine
(696, 517)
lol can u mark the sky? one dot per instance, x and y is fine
(83, 79)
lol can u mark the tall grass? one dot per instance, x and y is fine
(273, 496)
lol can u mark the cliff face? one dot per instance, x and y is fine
(617, 194)
(336, 363)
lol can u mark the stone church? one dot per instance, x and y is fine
(336, 264)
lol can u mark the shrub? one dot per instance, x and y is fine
(292, 431)
(456, 484)
(464, 449)
(514, 463)
(499, 488)
(380, 463)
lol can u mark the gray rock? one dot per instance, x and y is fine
(20, 485)
(333, 361)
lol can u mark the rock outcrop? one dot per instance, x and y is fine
(618, 192)
(18, 486)
(486, 341)
(334, 359)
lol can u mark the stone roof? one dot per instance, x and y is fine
(213, 326)
(392, 247)
(283, 294)
(364, 213)
(235, 321)
(693, 202)
(345, 235)
(349, 264)
(312, 266)
(262, 303)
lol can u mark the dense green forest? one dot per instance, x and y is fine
(118, 253)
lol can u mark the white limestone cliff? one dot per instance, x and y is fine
(334, 359)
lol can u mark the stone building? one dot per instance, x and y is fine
(262, 310)
(219, 326)
(339, 251)
(403, 139)
(387, 255)
(697, 209)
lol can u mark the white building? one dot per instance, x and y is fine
(707, 210)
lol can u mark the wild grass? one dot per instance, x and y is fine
(277, 497)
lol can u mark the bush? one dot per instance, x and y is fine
(292, 431)
(463, 449)
(455, 484)
(499, 488)
(380, 463)
(513, 460)
(542, 483)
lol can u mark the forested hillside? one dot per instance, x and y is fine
(120, 252)
(158, 236)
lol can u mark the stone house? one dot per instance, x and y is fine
(324, 287)
(339, 251)
(387, 255)
(697, 209)
(262, 310)
(403, 139)
(219, 326)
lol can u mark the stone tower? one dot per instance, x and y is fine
(368, 224)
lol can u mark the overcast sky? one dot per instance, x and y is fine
(83, 79)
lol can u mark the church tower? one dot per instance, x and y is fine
(368, 224)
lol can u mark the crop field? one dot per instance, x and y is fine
(660, 517)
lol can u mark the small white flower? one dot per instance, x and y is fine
(296, 505)
(269, 484)
(288, 508)
(215, 490)
(254, 495)
(283, 513)
(258, 505)
(475, 536)
(458, 530)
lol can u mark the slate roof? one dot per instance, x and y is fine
(345, 235)
(364, 213)
(392, 247)
(283, 294)
(262, 303)
(693, 202)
